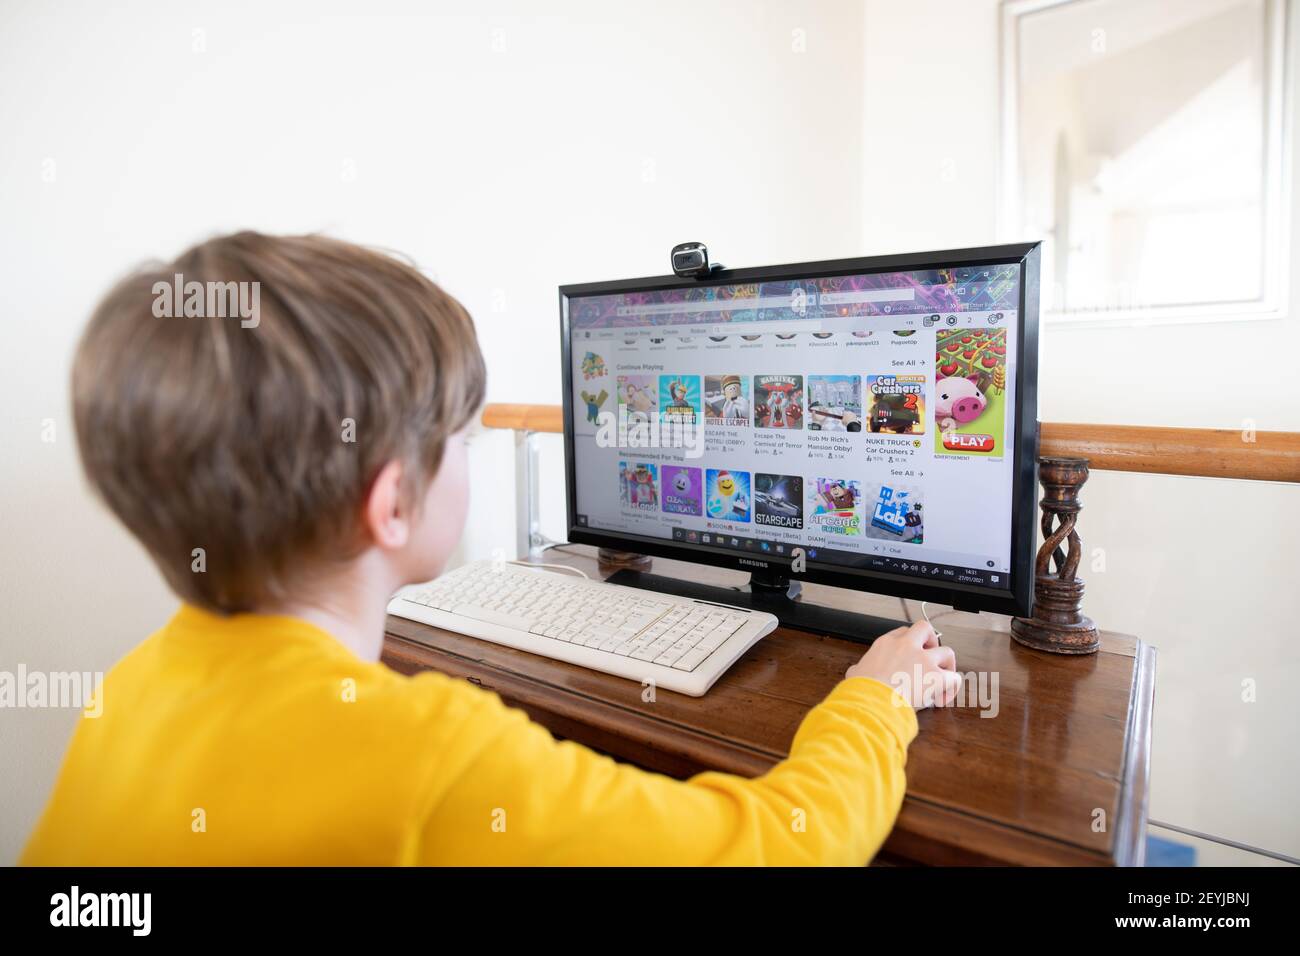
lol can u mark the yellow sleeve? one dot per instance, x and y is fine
(523, 798)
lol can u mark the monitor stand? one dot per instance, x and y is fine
(769, 591)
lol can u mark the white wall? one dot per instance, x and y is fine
(507, 153)
(1202, 569)
(512, 152)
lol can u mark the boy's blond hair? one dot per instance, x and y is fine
(256, 438)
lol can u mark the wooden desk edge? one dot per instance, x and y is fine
(925, 832)
(1131, 828)
(921, 821)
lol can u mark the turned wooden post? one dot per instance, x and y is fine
(1058, 625)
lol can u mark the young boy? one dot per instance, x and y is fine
(287, 473)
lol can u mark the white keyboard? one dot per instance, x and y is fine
(678, 643)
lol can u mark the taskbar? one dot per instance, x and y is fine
(852, 560)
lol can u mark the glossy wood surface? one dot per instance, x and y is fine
(535, 418)
(1200, 452)
(1058, 776)
(1197, 452)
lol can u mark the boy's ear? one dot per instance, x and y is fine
(385, 516)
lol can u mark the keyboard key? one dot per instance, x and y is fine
(673, 653)
(713, 640)
(518, 622)
(690, 660)
(661, 644)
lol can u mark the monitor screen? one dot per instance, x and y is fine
(868, 418)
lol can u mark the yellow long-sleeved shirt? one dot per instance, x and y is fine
(263, 740)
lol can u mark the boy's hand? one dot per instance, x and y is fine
(911, 660)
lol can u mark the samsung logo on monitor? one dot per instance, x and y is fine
(752, 563)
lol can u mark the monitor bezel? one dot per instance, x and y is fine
(1015, 600)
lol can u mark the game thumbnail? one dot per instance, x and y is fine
(970, 391)
(637, 398)
(834, 506)
(896, 514)
(778, 500)
(896, 403)
(639, 486)
(778, 401)
(594, 403)
(726, 400)
(683, 490)
(834, 403)
(593, 366)
(727, 494)
(679, 399)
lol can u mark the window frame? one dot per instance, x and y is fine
(1275, 175)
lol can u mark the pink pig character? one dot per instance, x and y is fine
(959, 401)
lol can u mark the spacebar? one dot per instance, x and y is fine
(493, 617)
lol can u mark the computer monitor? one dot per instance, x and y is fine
(863, 423)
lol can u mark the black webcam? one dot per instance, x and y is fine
(691, 260)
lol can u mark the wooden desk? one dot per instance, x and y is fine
(1070, 741)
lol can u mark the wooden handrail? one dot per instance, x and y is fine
(533, 418)
(1197, 452)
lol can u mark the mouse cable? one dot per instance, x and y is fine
(554, 567)
(938, 634)
(907, 611)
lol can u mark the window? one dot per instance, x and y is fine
(1142, 142)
